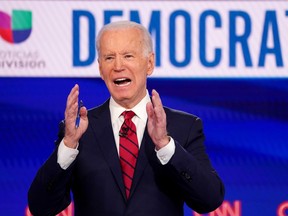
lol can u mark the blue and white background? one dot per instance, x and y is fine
(225, 61)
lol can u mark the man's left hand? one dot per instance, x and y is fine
(157, 121)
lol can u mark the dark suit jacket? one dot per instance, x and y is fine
(96, 181)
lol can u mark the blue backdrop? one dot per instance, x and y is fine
(245, 122)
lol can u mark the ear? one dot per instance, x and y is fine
(100, 69)
(151, 63)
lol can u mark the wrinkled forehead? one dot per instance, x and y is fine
(120, 40)
(126, 33)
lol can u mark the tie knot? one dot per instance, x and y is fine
(128, 115)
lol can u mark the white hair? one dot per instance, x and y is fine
(147, 48)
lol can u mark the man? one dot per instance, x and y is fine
(171, 166)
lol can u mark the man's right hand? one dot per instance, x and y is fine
(73, 134)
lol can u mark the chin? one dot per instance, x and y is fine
(121, 96)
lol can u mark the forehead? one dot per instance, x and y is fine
(121, 39)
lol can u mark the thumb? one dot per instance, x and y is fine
(83, 112)
(149, 110)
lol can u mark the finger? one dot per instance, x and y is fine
(72, 103)
(156, 99)
(158, 107)
(73, 96)
(150, 110)
(72, 91)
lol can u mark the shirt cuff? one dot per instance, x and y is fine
(165, 154)
(66, 155)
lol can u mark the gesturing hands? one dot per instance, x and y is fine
(73, 134)
(157, 121)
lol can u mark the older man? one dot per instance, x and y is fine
(130, 155)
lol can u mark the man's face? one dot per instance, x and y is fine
(123, 65)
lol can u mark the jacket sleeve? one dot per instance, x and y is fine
(190, 167)
(49, 192)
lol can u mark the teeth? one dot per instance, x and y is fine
(121, 79)
(122, 82)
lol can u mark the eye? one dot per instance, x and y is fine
(129, 56)
(108, 58)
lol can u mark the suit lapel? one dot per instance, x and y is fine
(102, 128)
(142, 161)
(147, 153)
(105, 138)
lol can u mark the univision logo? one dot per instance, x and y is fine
(17, 27)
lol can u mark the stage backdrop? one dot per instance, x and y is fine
(225, 61)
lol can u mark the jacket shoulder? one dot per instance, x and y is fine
(96, 111)
(178, 114)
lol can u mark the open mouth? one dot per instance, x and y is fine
(122, 82)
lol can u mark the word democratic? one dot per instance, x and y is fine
(237, 32)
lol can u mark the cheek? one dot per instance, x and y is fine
(101, 74)
(142, 79)
(105, 77)
(104, 72)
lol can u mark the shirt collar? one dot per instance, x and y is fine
(140, 109)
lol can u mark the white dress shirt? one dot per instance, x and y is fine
(67, 155)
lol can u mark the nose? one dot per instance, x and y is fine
(118, 64)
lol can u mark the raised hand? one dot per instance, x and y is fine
(157, 121)
(73, 133)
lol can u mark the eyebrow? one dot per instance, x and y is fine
(122, 53)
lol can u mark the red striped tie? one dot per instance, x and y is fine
(128, 149)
